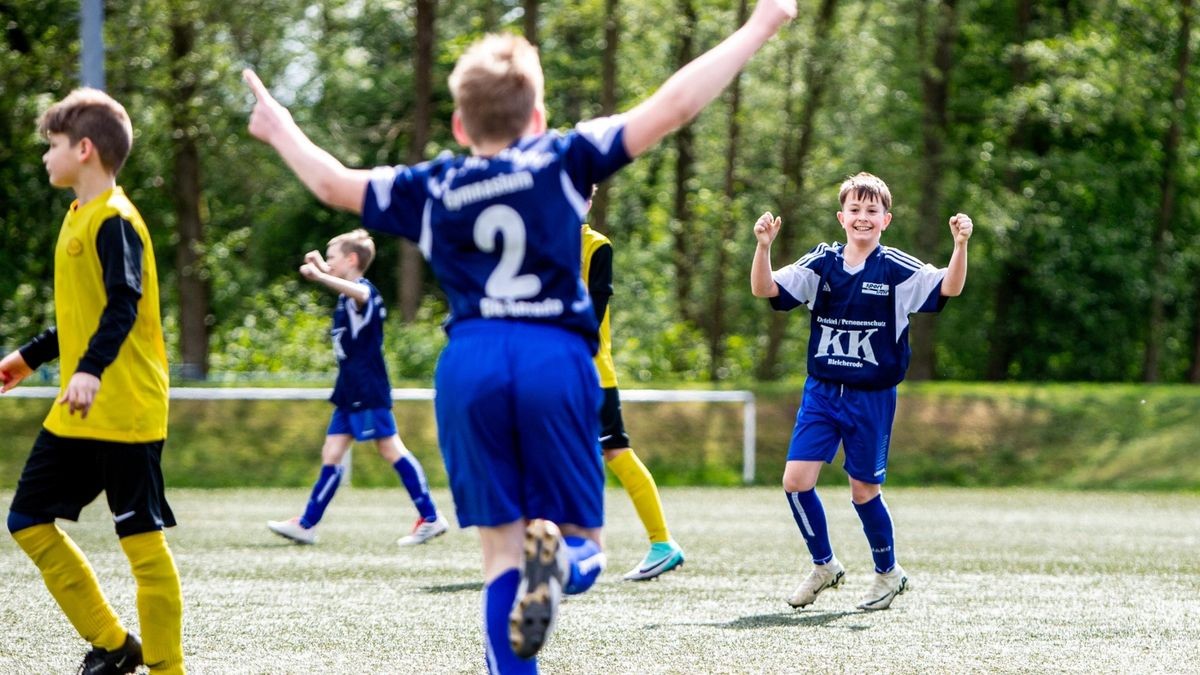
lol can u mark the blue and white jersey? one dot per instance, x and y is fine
(502, 233)
(362, 381)
(859, 315)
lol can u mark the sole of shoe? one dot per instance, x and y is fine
(837, 581)
(540, 592)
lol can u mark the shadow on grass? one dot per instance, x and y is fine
(455, 588)
(781, 619)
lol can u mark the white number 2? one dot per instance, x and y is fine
(504, 282)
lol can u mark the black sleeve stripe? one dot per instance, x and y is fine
(120, 250)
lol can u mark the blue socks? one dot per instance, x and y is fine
(322, 493)
(877, 524)
(810, 518)
(587, 562)
(414, 481)
(498, 598)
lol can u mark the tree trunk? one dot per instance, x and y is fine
(531, 21)
(727, 228)
(796, 149)
(935, 88)
(412, 265)
(1001, 336)
(608, 102)
(683, 259)
(1166, 208)
(185, 196)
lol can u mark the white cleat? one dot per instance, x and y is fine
(291, 529)
(884, 589)
(824, 576)
(424, 530)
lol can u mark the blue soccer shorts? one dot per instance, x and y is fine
(363, 425)
(518, 421)
(860, 420)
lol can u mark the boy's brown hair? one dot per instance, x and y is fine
(94, 115)
(865, 186)
(496, 84)
(359, 243)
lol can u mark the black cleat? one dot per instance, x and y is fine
(124, 660)
(540, 591)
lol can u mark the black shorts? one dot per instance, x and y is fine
(612, 427)
(63, 475)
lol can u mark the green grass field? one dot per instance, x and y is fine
(1002, 581)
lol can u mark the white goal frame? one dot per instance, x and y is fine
(746, 398)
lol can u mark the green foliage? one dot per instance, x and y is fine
(1055, 143)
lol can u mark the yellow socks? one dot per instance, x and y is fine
(638, 482)
(159, 600)
(72, 582)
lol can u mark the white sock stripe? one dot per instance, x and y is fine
(805, 526)
(592, 563)
(322, 495)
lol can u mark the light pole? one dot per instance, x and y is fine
(91, 32)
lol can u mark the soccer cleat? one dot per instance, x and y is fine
(824, 576)
(884, 589)
(293, 530)
(540, 591)
(103, 662)
(424, 530)
(662, 557)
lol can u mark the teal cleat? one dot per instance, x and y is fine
(663, 557)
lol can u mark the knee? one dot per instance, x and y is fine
(862, 493)
(20, 521)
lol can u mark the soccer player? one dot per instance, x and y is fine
(362, 394)
(860, 294)
(664, 555)
(517, 393)
(106, 430)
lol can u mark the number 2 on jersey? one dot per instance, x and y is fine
(504, 282)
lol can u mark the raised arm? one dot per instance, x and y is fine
(326, 177)
(956, 272)
(762, 284)
(694, 86)
(350, 289)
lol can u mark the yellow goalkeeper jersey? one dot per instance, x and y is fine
(131, 406)
(592, 241)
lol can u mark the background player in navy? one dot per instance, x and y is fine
(518, 395)
(363, 394)
(860, 295)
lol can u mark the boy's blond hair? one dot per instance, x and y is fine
(496, 85)
(864, 186)
(358, 242)
(94, 115)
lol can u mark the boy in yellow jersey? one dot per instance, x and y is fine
(106, 430)
(664, 555)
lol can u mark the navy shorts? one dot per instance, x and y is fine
(517, 409)
(860, 420)
(63, 475)
(364, 425)
(612, 426)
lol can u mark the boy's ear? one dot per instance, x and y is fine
(887, 220)
(537, 121)
(460, 131)
(85, 149)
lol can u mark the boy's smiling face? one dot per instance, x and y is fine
(864, 219)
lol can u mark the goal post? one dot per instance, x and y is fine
(745, 398)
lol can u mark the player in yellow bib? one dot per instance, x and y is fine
(664, 555)
(105, 433)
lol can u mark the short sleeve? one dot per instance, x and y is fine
(921, 291)
(595, 150)
(394, 201)
(799, 280)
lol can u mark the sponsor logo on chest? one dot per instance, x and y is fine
(871, 288)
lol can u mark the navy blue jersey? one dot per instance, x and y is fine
(362, 381)
(502, 233)
(860, 315)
